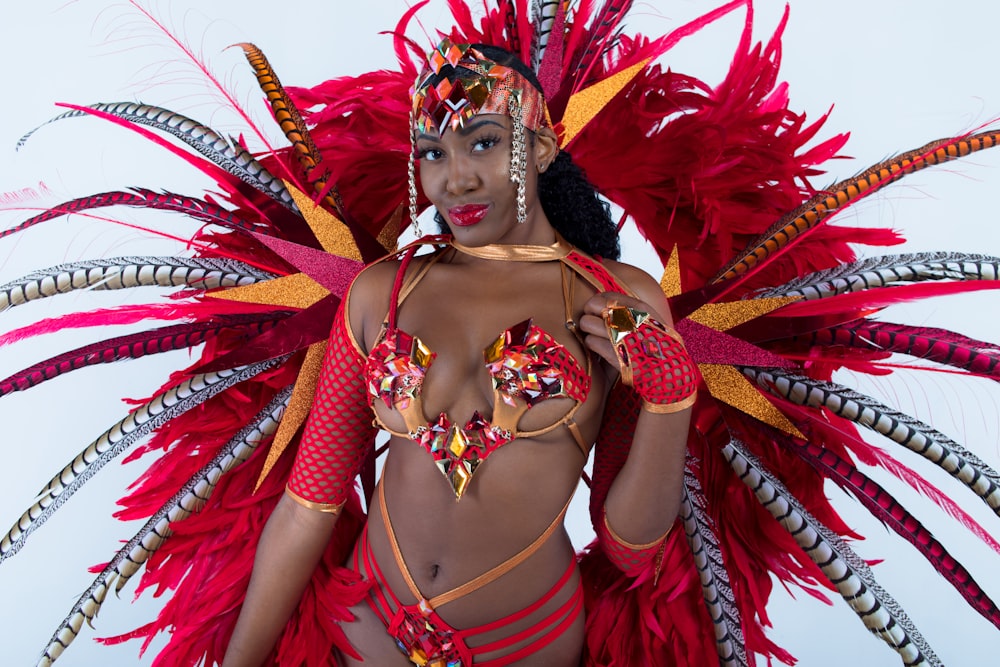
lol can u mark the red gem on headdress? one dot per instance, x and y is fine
(498, 71)
(443, 89)
(446, 53)
(455, 53)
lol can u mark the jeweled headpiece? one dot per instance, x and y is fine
(460, 82)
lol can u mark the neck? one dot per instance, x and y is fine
(517, 253)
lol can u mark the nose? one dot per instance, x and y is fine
(461, 175)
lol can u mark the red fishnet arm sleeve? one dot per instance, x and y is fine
(339, 432)
(614, 441)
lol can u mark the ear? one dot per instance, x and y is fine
(546, 148)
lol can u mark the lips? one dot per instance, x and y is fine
(467, 215)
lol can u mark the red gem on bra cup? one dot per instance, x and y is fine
(396, 369)
(529, 364)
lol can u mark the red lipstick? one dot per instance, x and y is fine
(467, 215)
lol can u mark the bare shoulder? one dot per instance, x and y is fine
(368, 299)
(642, 285)
(632, 276)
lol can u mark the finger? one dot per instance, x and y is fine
(597, 304)
(593, 324)
(601, 345)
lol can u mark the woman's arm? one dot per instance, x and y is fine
(290, 547)
(644, 499)
(337, 438)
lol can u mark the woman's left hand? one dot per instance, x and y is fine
(596, 330)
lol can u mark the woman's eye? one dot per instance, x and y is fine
(485, 144)
(429, 154)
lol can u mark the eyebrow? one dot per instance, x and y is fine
(465, 131)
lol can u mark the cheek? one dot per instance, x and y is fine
(428, 178)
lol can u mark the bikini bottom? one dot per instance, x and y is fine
(428, 640)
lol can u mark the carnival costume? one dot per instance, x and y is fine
(758, 282)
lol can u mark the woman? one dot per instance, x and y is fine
(718, 178)
(480, 161)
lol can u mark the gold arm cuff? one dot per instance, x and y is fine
(628, 545)
(668, 408)
(326, 508)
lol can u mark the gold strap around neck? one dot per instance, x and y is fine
(518, 253)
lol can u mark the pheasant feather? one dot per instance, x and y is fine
(198, 209)
(138, 424)
(852, 577)
(227, 153)
(133, 346)
(290, 120)
(188, 500)
(125, 272)
(885, 271)
(886, 509)
(544, 17)
(901, 428)
(837, 197)
(938, 345)
(715, 586)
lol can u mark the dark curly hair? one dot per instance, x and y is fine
(570, 202)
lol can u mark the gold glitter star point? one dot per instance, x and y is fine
(725, 316)
(298, 407)
(295, 291)
(586, 104)
(330, 231)
(728, 385)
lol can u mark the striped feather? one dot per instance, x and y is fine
(901, 428)
(844, 433)
(291, 123)
(544, 17)
(227, 153)
(125, 272)
(138, 424)
(937, 345)
(715, 586)
(816, 210)
(847, 571)
(884, 507)
(876, 272)
(198, 209)
(552, 44)
(604, 31)
(188, 500)
(134, 346)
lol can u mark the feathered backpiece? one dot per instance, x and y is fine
(770, 298)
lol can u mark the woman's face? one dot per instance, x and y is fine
(465, 174)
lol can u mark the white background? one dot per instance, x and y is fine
(900, 73)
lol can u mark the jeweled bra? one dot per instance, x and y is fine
(527, 366)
